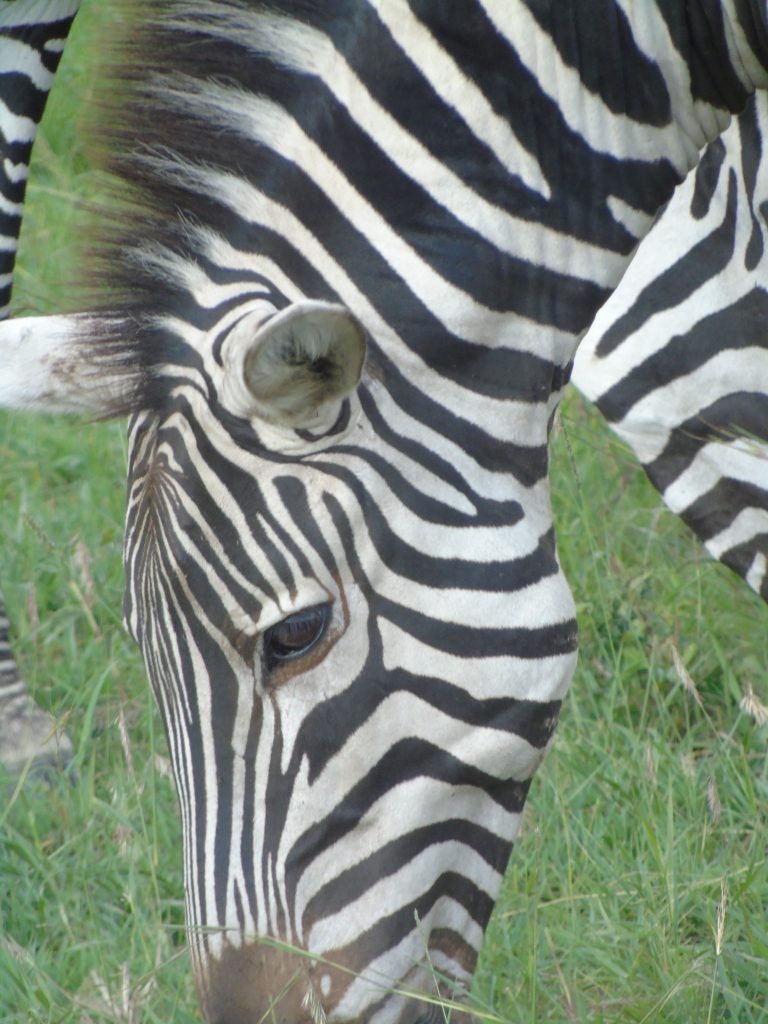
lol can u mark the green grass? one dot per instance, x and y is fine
(609, 908)
(648, 803)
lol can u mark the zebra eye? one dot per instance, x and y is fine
(295, 635)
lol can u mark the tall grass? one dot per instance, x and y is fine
(639, 888)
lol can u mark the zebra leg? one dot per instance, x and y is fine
(29, 736)
(32, 37)
(677, 359)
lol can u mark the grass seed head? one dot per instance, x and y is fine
(720, 926)
(752, 706)
(684, 676)
(713, 799)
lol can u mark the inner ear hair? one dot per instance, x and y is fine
(303, 358)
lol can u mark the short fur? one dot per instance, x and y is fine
(152, 231)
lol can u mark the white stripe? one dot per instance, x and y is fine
(288, 41)
(635, 221)
(453, 86)
(25, 60)
(13, 209)
(12, 690)
(413, 804)
(696, 123)
(401, 889)
(15, 128)
(743, 460)
(605, 131)
(539, 679)
(649, 420)
(15, 172)
(757, 571)
(748, 524)
(35, 12)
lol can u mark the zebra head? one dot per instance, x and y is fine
(339, 554)
(354, 688)
(358, 636)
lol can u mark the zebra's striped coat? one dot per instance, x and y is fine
(471, 208)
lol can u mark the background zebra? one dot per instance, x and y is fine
(677, 359)
(32, 38)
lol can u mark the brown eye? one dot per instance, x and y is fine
(295, 635)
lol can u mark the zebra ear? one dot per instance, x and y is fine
(303, 358)
(72, 363)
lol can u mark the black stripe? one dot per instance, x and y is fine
(739, 326)
(700, 38)
(407, 759)
(390, 929)
(601, 30)
(740, 414)
(701, 263)
(348, 886)
(707, 178)
(714, 511)
(741, 558)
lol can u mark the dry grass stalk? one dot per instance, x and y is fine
(752, 706)
(684, 676)
(720, 926)
(650, 767)
(122, 727)
(82, 561)
(688, 765)
(313, 1005)
(122, 1006)
(713, 799)
(32, 611)
(162, 766)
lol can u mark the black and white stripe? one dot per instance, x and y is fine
(350, 607)
(677, 359)
(32, 37)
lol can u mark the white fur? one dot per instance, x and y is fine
(43, 367)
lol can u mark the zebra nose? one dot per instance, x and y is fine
(258, 982)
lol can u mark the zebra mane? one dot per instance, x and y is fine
(168, 256)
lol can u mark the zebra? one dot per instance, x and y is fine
(32, 38)
(340, 314)
(676, 359)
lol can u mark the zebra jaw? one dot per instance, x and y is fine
(289, 370)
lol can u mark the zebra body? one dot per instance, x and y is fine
(32, 37)
(677, 359)
(362, 252)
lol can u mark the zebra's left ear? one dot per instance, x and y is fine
(303, 358)
(73, 363)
